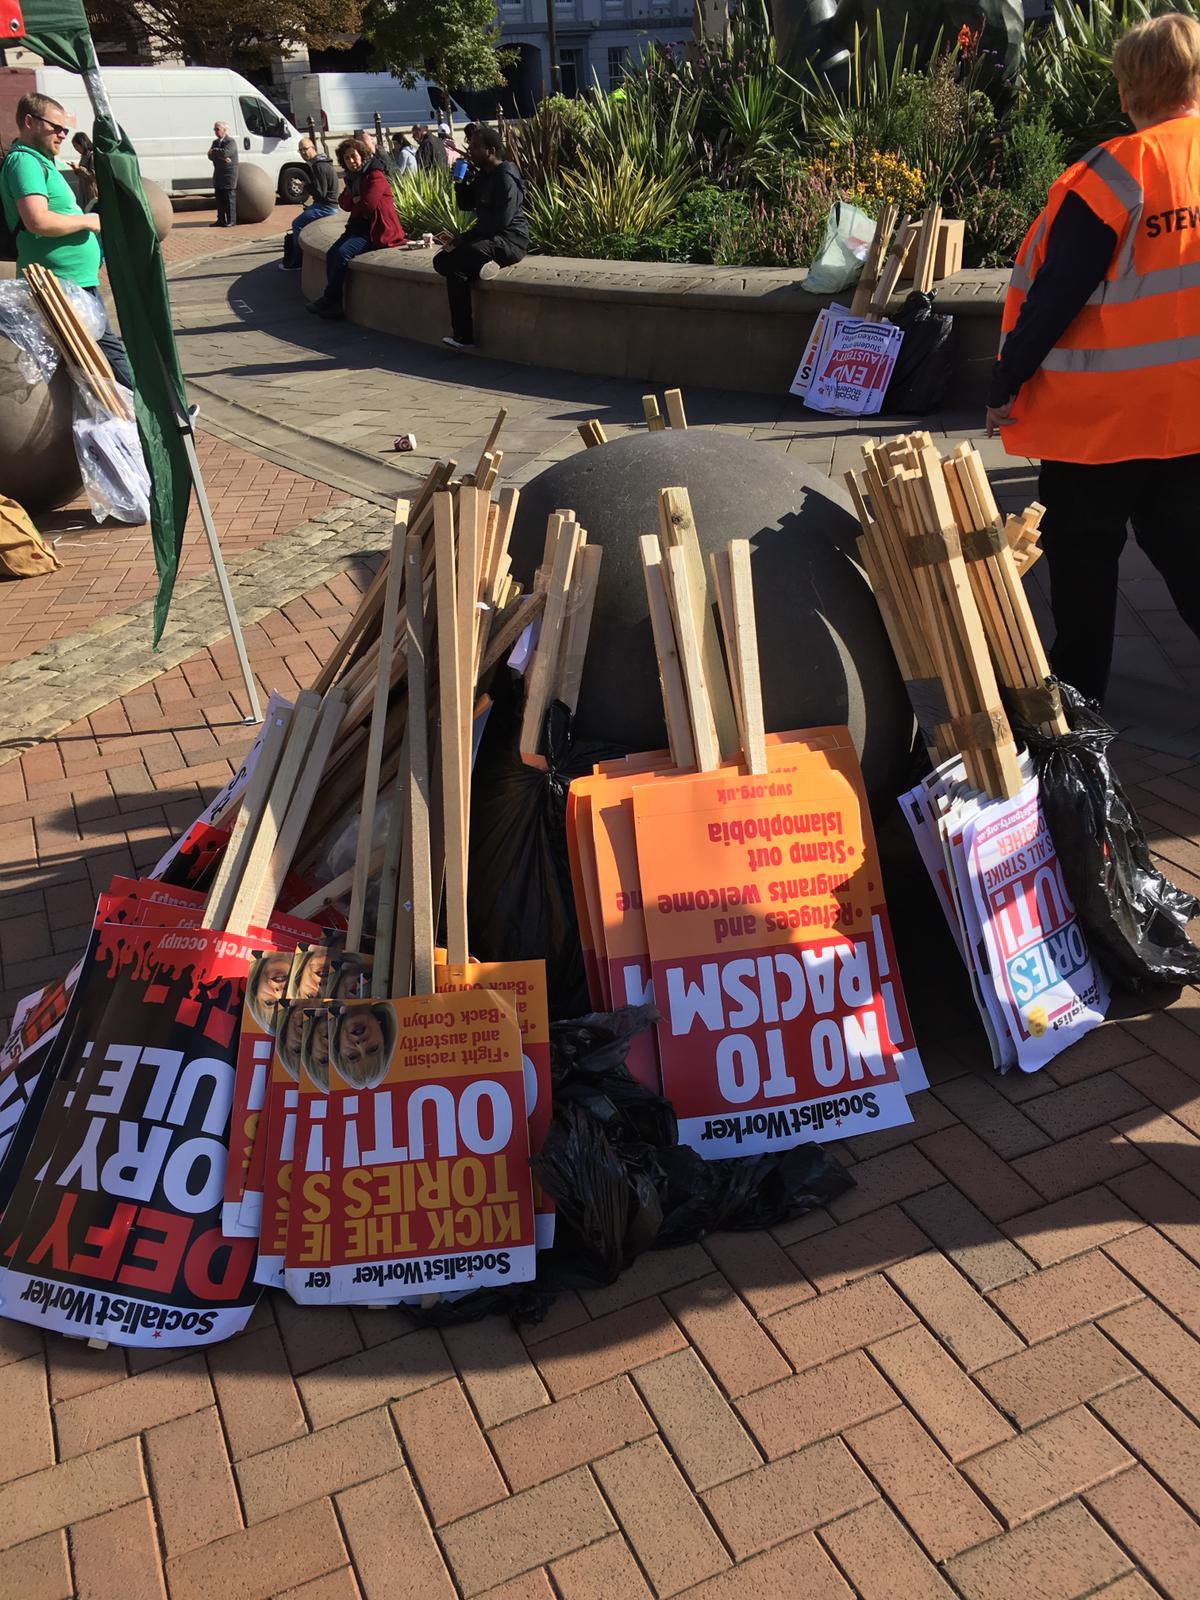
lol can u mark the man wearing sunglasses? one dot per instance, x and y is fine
(42, 212)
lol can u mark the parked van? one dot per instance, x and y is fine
(168, 113)
(339, 102)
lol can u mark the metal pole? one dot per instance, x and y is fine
(98, 95)
(188, 436)
(552, 45)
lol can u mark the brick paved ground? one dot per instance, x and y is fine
(109, 564)
(976, 1375)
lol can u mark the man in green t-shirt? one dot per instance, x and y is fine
(41, 210)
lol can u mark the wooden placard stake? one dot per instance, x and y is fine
(695, 684)
(229, 873)
(371, 772)
(662, 624)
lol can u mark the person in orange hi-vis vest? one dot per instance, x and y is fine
(1099, 367)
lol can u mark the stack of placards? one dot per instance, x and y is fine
(847, 363)
(998, 880)
(744, 899)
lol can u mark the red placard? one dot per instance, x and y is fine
(433, 1190)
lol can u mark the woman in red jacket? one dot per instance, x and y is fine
(373, 223)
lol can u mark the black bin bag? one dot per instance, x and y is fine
(521, 904)
(924, 369)
(1134, 918)
(621, 1182)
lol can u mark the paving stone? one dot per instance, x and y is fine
(1154, 1528)
(1161, 1348)
(1055, 1375)
(1061, 1297)
(786, 1497)
(947, 1401)
(857, 1315)
(704, 1433)
(1060, 1556)
(1049, 1464)
(875, 1550)
(797, 1567)
(38, 1570)
(963, 1233)
(194, 1491)
(824, 1400)
(660, 1517)
(448, 1452)
(1071, 1227)
(620, 1342)
(602, 1570)
(552, 1439)
(1162, 1271)
(395, 1554)
(739, 1354)
(321, 1463)
(116, 1555)
(77, 1489)
(959, 1316)
(259, 1562)
(528, 1530)
(1158, 1433)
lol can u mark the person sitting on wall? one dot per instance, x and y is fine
(495, 192)
(373, 223)
(320, 192)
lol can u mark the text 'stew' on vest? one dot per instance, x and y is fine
(1123, 382)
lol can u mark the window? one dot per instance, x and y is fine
(617, 57)
(260, 118)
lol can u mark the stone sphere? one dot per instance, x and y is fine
(823, 649)
(38, 468)
(161, 210)
(255, 193)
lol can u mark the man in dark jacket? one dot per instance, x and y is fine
(223, 153)
(495, 191)
(431, 152)
(320, 192)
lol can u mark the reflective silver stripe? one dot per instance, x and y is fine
(1128, 358)
(1129, 192)
(1138, 286)
(1021, 277)
(1123, 184)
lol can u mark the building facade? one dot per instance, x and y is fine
(596, 40)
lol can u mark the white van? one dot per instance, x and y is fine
(339, 102)
(168, 113)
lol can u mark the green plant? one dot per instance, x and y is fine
(996, 222)
(594, 202)
(1069, 66)
(651, 128)
(756, 117)
(425, 201)
(543, 144)
(872, 178)
(783, 230)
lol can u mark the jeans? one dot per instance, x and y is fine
(291, 241)
(226, 207)
(1088, 511)
(112, 346)
(337, 264)
(460, 267)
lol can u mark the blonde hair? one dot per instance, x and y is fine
(1157, 64)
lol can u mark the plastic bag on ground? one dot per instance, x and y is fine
(109, 452)
(621, 1183)
(1134, 918)
(924, 369)
(839, 263)
(521, 903)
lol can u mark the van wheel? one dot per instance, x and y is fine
(292, 183)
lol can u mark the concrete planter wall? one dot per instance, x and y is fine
(721, 327)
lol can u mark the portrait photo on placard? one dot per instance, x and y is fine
(267, 986)
(362, 1039)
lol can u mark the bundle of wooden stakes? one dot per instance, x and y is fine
(917, 242)
(593, 433)
(443, 595)
(78, 347)
(946, 569)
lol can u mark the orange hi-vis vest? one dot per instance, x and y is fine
(1123, 382)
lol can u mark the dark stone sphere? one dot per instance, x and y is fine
(255, 193)
(823, 650)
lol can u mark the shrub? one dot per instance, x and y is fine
(425, 202)
(872, 178)
(783, 230)
(593, 203)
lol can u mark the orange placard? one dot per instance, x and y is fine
(761, 897)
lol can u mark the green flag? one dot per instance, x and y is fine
(58, 31)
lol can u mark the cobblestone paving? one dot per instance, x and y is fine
(974, 1376)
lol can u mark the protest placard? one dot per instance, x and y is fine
(853, 366)
(433, 1190)
(763, 902)
(1050, 991)
(120, 1238)
(523, 985)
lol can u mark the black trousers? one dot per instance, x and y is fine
(460, 267)
(1088, 512)
(112, 346)
(227, 207)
